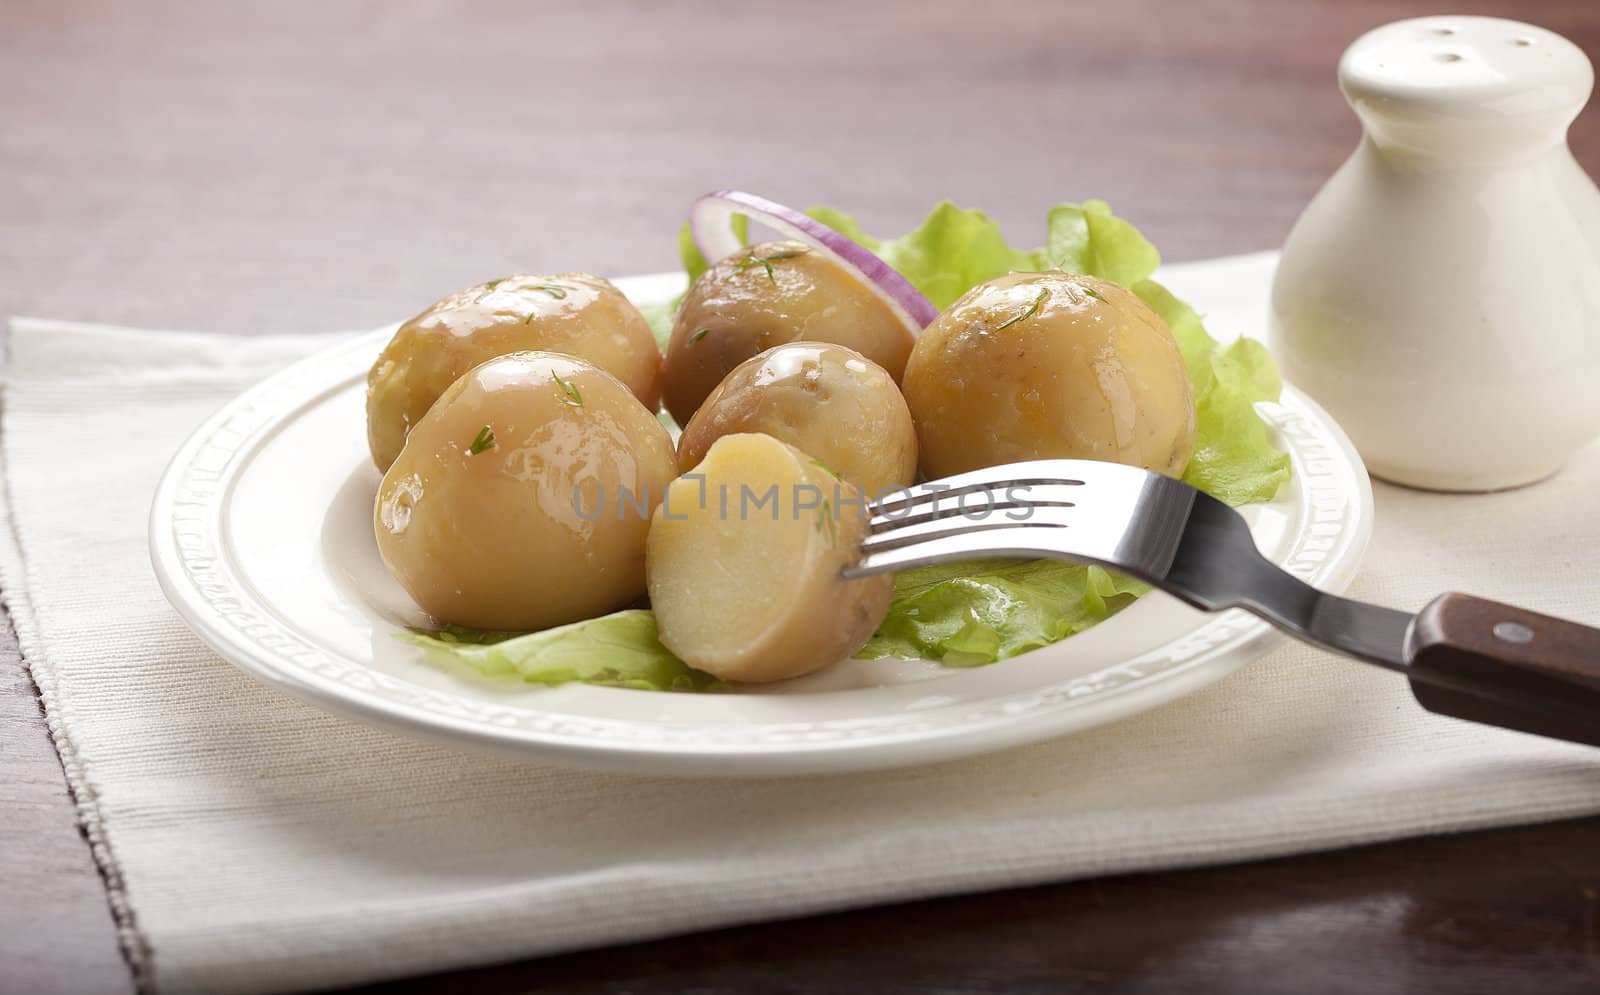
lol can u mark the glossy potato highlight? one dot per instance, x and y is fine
(573, 313)
(750, 592)
(767, 295)
(1050, 365)
(515, 502)
(827, 400)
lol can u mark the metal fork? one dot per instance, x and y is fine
(1464, 656)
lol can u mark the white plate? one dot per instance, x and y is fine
(261, 536)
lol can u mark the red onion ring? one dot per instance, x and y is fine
(710, 223)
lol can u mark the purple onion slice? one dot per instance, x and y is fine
(710, 223)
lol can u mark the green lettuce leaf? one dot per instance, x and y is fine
(1087, 238)
(970, 614)
(1234, 459)
(658, 315)
(616, 650)
(952, 251)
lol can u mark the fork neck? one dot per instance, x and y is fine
(1218, 566)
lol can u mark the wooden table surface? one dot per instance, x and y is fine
(311, 166)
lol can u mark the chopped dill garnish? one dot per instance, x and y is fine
(1093, 293)
(555, 290)
(825, 521)
(491, 284)
(484, 440)
(569, 390)
(765, 262)
(830, 471)
(1033, 309)
(699, 334)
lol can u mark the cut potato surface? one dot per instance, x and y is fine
(1049, 366)
(827, 400)
(573, 313)
(767, 295)
(522, 499)
(744, 564)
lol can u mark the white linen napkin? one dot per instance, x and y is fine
(253, 843)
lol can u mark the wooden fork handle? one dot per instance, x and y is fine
(1505, 666)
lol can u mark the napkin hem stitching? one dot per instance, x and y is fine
(17, 603)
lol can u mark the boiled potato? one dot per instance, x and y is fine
(1049, 366)
(827, 400)
(573, 313)
(506, 508)
(749, 589)
(764, 296)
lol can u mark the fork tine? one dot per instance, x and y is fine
(1019, 514)
(1026, 541)
(944, 504)
(991, 479)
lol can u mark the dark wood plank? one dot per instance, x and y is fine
(303, 166)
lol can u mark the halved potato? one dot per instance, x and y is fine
(522, 499)
(1049, 365)
(827, 400)
(573, 313)
(767, 295)
(744, 564)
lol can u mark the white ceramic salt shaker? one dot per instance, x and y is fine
(1441, 295)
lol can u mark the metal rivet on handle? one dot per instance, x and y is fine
(1513, 632)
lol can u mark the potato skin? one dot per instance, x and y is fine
(736, 310)
(827, 400)
(574, 313)
(1049, 366)
(495, 540)
(810, 616)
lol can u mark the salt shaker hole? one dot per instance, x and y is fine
(1448, 57)
(1522, 42)
(1444, 31)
